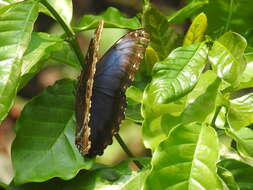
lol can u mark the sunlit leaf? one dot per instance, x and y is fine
(242, 172)
(64, 8)
(203, 105)
(40, 47)
(227, 57)
(134, 94)
(240, 112)
(244, 139)
(176, 75)
(44, 145)
(152, 132)
(246, 80)
(113, 19)
(136, 182)
(16, 25)
(180, 162)
(197, 30)
(162, 35)
(151, 58)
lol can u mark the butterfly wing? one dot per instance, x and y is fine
(84, 93)
(114, 73)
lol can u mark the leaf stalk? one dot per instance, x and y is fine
(68, 30)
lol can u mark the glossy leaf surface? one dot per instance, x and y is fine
(240, 113)
(246, 81)
(244, 139)
(177, 75)
(16, 25)
(202, 105)
(227, 58)
(44, 145)
(64, 8)
(180, 161)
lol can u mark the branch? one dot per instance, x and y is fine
(127, 151)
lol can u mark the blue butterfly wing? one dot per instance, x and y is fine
(114, 73)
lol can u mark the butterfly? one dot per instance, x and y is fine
(100, 92)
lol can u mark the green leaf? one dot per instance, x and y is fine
(228, 15)
(134, 93)
(40, 47)
(227, 58)
(227, 178)
(64, 8)
(162, 35)
(3, 3)
(244, 139)
(3, 185)
(205, 79)
(169, 122)
(65, 55)
(197, 30)
(187, 11)
(113, 19)
(44, 145)
(240, 112)
(152, 133)
(177, 75)
(52, 184)
(151, 58)
(16, 25)
(242, 172)
(133, 112)
(116, 177)
(195, 111)
(203, 105)
(180, 162)
(246, 80)
(136, 182)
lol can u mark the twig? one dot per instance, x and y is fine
(127, 151)
(229, 15)
(68, 30)
(217, 111)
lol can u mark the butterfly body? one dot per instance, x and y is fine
(100, 99)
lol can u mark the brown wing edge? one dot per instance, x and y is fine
(84, 93)
(142, 40)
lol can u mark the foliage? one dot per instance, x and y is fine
(188, 97)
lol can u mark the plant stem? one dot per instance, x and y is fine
(127, 151)
(68, 30)
(229, 15)
(217, 111)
